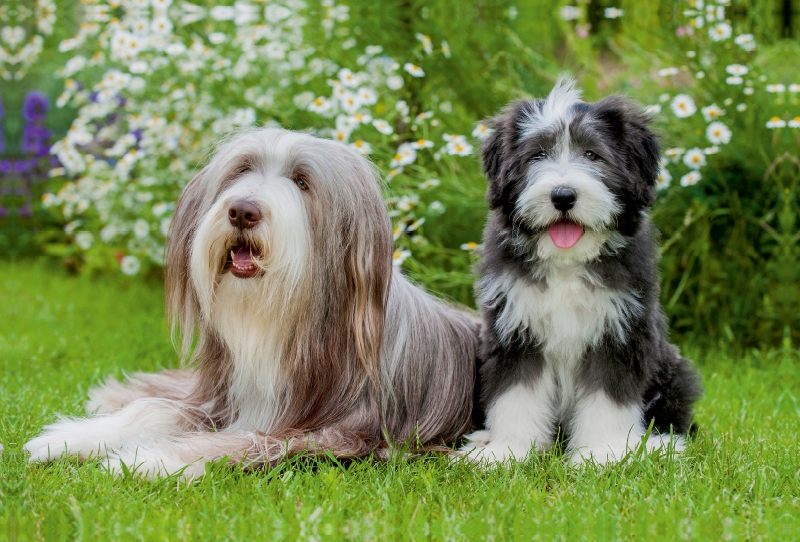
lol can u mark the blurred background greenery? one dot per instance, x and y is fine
(730, 276)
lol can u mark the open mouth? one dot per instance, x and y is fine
(242, 260)
(565, 233)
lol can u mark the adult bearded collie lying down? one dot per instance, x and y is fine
(280, 282)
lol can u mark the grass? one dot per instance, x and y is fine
(62, 334)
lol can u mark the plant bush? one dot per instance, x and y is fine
(153, 86)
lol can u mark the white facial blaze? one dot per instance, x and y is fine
(554, 109)
(282, 236)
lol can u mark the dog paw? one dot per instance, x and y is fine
(496, 451)
(478, 438)
(606, 454)
(150, 464)
(44, 450)
(53, 445)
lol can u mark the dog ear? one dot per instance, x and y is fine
(492, 157)
(182, 307)
(369, 270)
(631, 127)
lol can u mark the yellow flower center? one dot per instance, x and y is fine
(420, 142)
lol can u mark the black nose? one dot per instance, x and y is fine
(563, 198)
(244, 214)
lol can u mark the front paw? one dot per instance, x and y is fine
(52, 446)
(44, 449)
(606, 454)
(497, 451)
(150, 464)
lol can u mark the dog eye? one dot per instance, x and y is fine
(541, 155)
(591, 155)
(301, 182)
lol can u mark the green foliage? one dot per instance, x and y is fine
(729, 271)
(66, 333)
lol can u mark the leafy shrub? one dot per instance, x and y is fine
(155, 85)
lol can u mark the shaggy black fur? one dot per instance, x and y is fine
(645, 369)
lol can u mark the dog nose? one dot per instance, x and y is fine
(563, 198)
(244, 214)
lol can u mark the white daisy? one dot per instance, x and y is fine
(737, 69)
(776, 122)
(683, 106)
(406, 154)
(675, 153)
(712, 112)
(422, 144)
(720, 31)
(130, 265)
(794, 123)
(383, 127)
(84, 239)
(718, 134)
(367, 95)
(664, 178)
(394, 82)
(691, 178)
(427, 44)
(458, 148)
(348, 78)
(777, 87)
(361, 146)
(414, 70)
(694, 158)
(745, 41)
(400, 256)
(482, 131)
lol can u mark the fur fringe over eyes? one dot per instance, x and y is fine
(324, 347)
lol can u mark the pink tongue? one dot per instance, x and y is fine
(242, 257)
(565, 234)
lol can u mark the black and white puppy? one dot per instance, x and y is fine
(574, 337)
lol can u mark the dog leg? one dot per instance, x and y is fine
(96, 436)
(112, 395)
(521, 418)
(606, 431)
(186, 454)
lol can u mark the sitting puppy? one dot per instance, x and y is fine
(574, 338)
(280, 279)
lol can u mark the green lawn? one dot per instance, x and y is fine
(62, 334)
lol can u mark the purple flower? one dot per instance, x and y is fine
(6, 167)
(34, 139)
(2, 109)
(35, 106)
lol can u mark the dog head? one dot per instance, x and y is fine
(571, 176)
(288, 228)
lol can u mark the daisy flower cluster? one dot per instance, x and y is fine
(176, 75)
(720, 97)
(23, 29)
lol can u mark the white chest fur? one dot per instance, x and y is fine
(255, 341)
(565, 314)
